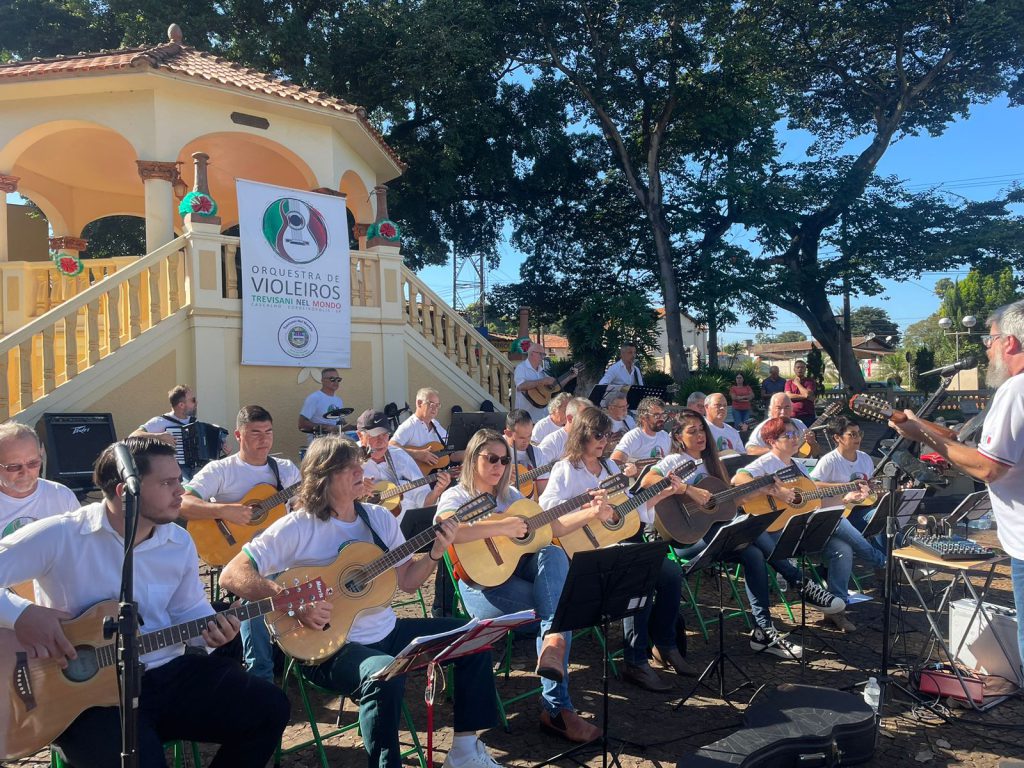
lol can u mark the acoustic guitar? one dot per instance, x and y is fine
(808, 498)
(878, 409)
(687, 522)
(490, 562)
(541, 396)
(443, 456)
(522, 477)
(389, 495)
(603, 533)
(361, 578)
(217, 541)
(832, 409)
(44, 699)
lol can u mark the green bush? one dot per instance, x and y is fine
(706, 382)
(657, 379)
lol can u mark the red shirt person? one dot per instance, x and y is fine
(802, 391)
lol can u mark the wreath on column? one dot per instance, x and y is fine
(68, 264)
(198, 204)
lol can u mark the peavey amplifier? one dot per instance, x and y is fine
(73, 442)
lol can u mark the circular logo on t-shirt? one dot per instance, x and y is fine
(15, 524)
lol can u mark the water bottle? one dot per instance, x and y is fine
(982, 523)
(872, 694)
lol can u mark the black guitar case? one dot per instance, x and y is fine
(795, 725)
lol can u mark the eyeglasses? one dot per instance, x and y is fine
(432, 403)
(492, 459)
(601, 435)
(856, 433)
(657, 414)
(789, 435)
(334, 379)
(34, 464)
(988, 338)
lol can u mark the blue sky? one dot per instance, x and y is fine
(975, 158)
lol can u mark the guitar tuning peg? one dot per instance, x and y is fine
(295, 582)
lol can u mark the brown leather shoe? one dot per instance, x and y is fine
(642, 676)
(674, 660)
(569, 726)
(551, 661)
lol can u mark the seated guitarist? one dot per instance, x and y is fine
(327, 515)
(214, 492)
(75, 560)
(530, 374)
(583, 469)
(518, 429)
(423, 428)
(555, 419)
(538, 579)
(649, 440)
(779, 407)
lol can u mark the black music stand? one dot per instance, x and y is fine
(727, 539)
(974, 505)
(598, 392)
(909, 500)
(805, 535)
(465, 424)
(637, 392)
(603, 586)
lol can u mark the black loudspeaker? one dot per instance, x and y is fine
(73, 442)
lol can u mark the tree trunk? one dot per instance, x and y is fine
(826, 331)
(712, 338)
(670, 292)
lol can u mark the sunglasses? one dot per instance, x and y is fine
(601, 435)
(335, 379)
(34, 464)
(492, 459)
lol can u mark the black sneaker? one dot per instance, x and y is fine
(821, 598)
(769, 640)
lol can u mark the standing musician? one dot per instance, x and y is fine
(726, 436)
(24, 496)
(553, 446)
(649, 440)
(803, 391)
(554, 420)
(779, 407)
(623, 372)
(423, 428)
(582, 470)
(530, 374)
(518, 428)
(313, 417)
(692, 439)
(217, 488)
(167, 426)
(392, 464)
(538, 579)
(998, 460)
(75, 560)
(328, 515)
(843, 465)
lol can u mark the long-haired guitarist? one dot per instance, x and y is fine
(538, 579)
(75, 560)
(326, 516)
(216, 489)
(583, 469)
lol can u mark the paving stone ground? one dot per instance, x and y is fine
(910, 734)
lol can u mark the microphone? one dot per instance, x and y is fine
(126, 468)
(948, 370)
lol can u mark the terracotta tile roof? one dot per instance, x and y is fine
(551, 340)
(805, 346)
(185, 60)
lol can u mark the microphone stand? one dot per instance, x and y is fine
(127, 629)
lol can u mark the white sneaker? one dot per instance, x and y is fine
(480, 759)
(821, 598)
(782, 582)
(770, 640)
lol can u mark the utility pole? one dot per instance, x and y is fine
(475, 284)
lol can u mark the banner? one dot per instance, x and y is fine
(296, 300)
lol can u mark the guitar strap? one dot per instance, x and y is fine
(362, 515)
(272, 463)
(391, 467)
(442, 440)
(530, 454)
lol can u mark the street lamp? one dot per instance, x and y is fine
(968, 322)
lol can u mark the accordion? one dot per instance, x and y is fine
(201, 443)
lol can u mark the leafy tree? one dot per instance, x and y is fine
(115, 236)
(865, 320)
(816, 366)
(786, 337)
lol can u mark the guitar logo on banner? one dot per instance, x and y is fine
(295, 277)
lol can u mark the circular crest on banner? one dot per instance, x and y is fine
(297, 337)
(295, 230)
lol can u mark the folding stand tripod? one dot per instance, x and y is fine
(727, 539)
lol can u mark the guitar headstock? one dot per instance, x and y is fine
(685, 468)
(475, 509)
(314, 591)
(871, 407)
(832, 409)
(615, 483)
(787, 474)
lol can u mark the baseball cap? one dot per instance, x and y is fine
(373, 423)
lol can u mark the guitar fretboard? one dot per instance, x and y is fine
(833, 490)
(646, 494)
(278, 498)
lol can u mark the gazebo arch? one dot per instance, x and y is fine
(357, 197)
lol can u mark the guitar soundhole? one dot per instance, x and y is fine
(258, 518)
(353, 581)
(615, 523)
(84, 667)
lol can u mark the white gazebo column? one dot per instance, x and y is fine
(8, 184)
(158, 179)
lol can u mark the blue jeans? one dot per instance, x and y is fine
(257, 649)
(843, 545)
(349, 673)
(738, 417)
(537, 583)
(657, 619)
(859, 518)
(1017, 575)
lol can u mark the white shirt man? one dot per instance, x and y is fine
(726, 437)
(555, 419)
(183, 411)
(623, 372)
(530, 374)
(423, 428)
(553, 446)
(24, 496)
(313, 417)
(649, 440)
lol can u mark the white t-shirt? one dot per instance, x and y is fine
(767, 464)
(618, 375)
(727, 438)
(455, 496)
(160, 424)
(229, 480)
(75, 560)
(415, 433)
(302, 539)
(317, 404)
(49, 498)
(755, 436)
(553, 446)
(637, 444)
(525, 372)
(542, 429)
(833, 468)
(1002, 441)
(568, 480)
(406, 469)
(623, 426)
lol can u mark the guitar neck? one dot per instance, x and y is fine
(411, 485)
(832, 490)
(549, 516)
(278, 498)
(739, 491)
(536, 472)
